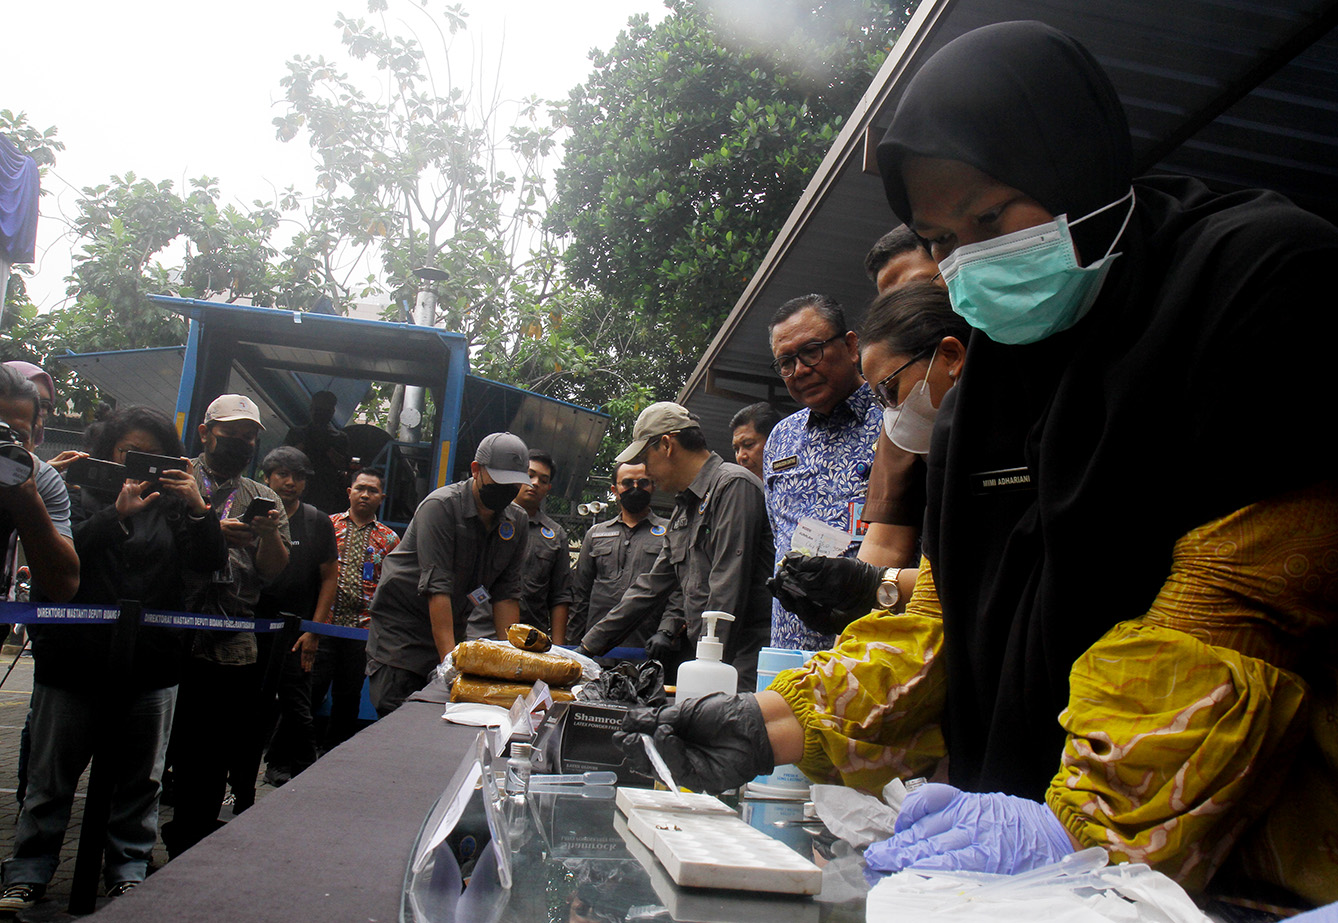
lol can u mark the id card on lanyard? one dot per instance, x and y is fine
(225, 575)
(221, 509)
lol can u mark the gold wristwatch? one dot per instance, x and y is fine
(888, 594)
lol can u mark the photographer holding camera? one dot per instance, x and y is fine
(136, 539)
(33, 501)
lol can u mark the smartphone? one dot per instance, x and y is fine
(96, 474)
(260, 506)
(145, 467)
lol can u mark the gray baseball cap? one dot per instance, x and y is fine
(656, 420)
(505, 457)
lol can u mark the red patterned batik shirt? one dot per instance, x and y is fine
(361, 551)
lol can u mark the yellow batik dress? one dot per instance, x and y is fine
(1206, 729)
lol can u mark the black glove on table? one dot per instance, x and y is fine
(711, 744)
(826, 593)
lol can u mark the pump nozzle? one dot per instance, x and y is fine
(709, 646)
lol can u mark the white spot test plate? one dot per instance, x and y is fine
(706, 845)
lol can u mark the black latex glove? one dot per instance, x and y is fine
(711, 744)
(826, 593)
(661, 646)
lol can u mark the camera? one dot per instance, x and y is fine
(16, 462)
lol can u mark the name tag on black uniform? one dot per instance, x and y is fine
(1003, 480)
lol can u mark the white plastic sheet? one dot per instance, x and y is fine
(1080, 889)
(853, 816)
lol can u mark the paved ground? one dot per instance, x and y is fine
(14, 695)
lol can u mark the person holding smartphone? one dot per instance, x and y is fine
(135, 540)
(210, 723)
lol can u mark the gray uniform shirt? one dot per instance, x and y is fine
(719, 550)
(547, 581)
(613, 554)
(445, 551)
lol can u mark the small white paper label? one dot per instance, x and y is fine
(812, 537)
(479, 596)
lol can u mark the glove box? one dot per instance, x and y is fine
(578, 737)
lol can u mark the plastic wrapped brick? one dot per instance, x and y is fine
(502, 661)
(490, 691)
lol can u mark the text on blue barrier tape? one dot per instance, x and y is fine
(28, 613)
(208, 622)
(88, 614)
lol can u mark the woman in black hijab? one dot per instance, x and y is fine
(1130, 518)
(1147, 416)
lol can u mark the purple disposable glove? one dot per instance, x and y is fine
(941, 827)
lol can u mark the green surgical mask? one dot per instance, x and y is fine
(1023, 287)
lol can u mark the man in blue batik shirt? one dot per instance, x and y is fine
(817, 461)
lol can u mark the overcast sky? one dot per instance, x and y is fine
(173, 90)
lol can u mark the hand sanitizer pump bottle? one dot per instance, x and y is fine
(707, 674)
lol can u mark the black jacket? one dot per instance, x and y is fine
(145, 561)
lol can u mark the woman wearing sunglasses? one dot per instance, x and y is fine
(1125, 633)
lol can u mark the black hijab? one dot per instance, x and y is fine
(1052, 123)
(1196, 385)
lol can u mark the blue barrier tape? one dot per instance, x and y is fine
(617, 653)
(334, 631)
(32, 614)
(88, 614)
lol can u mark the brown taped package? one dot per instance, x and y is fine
(489, 691)
(515, 665)
(528, 638)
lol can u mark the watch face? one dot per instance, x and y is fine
(888, 594)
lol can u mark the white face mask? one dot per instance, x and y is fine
(911, 423)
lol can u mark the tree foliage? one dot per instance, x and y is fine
(415, 170)
(41, 146)
(691, 142)
(422, 163)
(137, 238)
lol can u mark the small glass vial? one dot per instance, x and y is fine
(518, 770)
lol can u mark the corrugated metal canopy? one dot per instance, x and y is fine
(152, 378)
(144, 377)
(569, 433)
(1239, 94)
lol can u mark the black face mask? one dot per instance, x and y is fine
(634, 500)
(496, 496)
(230, 455)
